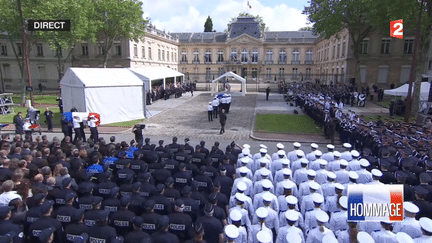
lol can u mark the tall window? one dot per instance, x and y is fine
(150, 53)
(163, 55)
(207, 56)
(39, 50)
(84, 48)
(254, 56)
(334, 51)
(184, 56)
(233, 55)
(295, 57)
(343, 48)
(159, 54)
(168, 56)
(294, 73)
(244, 55)
(143, 52)
(20, 49)
(269, 56)
(220, 56)
(408, 46)
(281, 72)
(254, 72)
(196, 56)
(208, 73)
(196, 72)
(308, 73)
(135, 50)
(363, 47)
(282, 57)
(385, 46)
(3, 50)
(117, 48)
(172, 56)
(309, 57)
(268, 72)
(101, 50)
(338, 50)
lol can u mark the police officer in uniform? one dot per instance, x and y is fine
(101, 232)
(137, 235)
(120, 220)
(213, 229)
(76, 227)
(46, 222)
(163, 206)
(6, 224)
(180, 223)
(64, 214)
(162, 235)
(150, 218)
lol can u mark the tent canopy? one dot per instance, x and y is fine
(100, 77)
(228, 74)
(115, 93)
(155, 73)
(403, 91)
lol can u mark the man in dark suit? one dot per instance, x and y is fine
(222, 120)
(18, 121)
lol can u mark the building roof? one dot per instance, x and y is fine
(247, 26)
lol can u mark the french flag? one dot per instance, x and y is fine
(375, 202)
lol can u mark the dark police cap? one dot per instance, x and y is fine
(136, 185)
(97, 200)
(85, 187)
(78, 214)
(401, 175)
(147, 140)
(137, 221)
(160, 188)
(150, 204)
(213, 198)
(169, 181)
(69, 196)
(114, 191)
(4, 211)
(66, 181)
(146, 176)
(208, 208)
(46, 234)
(8, 238)
(407, 162)
(45, 207)
(103, 215)
(425, 177)
(81, 238)
(186, 190)
(179, 203)
(385, 163)
(421, 190)
(194, 184)
(124, 201)
(217, 184)
(38, 197)
(428, 163)
(163, 221)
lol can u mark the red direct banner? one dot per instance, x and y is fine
(396, 28)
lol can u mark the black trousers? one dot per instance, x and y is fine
(94, 134)
(215, 111)
(77, 134)
(222, 128)
(210, 115)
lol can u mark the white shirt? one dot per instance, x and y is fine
(411, 226)
(92, 122)
(283, 231)
(210, 107)
(329, 157)
(6, 197)
(26, 126)
(272, 220)
(384, 236)
(215, 102)
(338, 221)
(316, 236)
(76, 123)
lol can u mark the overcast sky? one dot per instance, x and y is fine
(190, 15)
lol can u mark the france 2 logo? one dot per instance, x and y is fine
(396, 29)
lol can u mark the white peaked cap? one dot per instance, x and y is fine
(355, 153)
(286, 171)
(291, 200)
(331, 175)
(300, 153)
(364, 237)
(314, 185)
(347, 145)
(263, 150)
(337, 154)
(353, 175)
(314, 145)
(263, 146)
(297, 144)
(322, 216)
(241, 186)
(403, 237)
(246, 146)
(281, 152)
(317, 153)
(235, 215)
(343, 162)
(411, 207)
(323, 162)
(264, 237)
(376, 172)
(267, 196)
(288, 184)
(330, 146)
(329, 238)
(343, 201)
(364, 162)
(231, 231)
(339, 186)
(426, 224)
(317, 198)
(266, 183)
(280, 146)
(291, 215)
(244, 160)
(261, 213)
(245, 151)
(293, 237)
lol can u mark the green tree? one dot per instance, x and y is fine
(307, 28)
(257, 17)
(80, 13)
(116, 20)
(208, 25)
(10, 28)
(329, 17)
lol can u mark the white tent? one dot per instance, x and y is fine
(150, 74)
(115, 93)
(403, 91)
(215, 82)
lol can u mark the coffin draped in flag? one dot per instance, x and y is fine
(375, 202)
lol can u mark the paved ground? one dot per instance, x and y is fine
(187, 117)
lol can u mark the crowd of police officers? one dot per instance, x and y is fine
(116, 192)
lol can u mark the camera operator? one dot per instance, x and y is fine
(137, 130)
